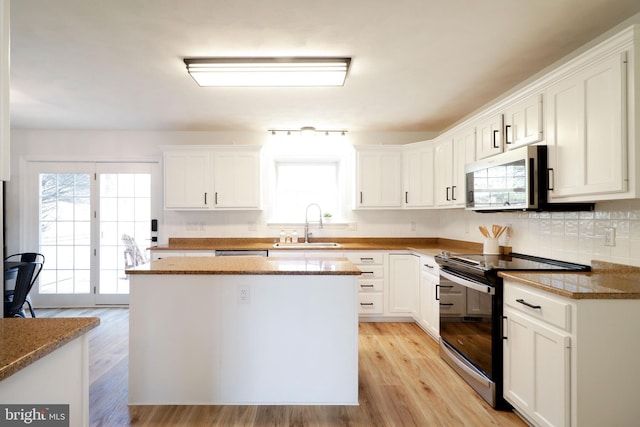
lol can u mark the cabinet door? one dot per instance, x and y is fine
(404, 277)
(236, 179)
(523, 123)
(429, 302)
(489, 136)
(537, 370)
(186, 180)
(444, 173)
(586, 125)
(418, 177)
(378, 184)
(464, 151)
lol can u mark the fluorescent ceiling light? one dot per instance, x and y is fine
(273, 72)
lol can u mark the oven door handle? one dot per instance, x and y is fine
(480, 287)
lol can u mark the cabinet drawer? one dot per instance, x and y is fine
(539, 305)
(371, 272)
(370, 285)
(365, 257)
(370, 303)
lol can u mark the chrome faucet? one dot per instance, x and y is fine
(306, 221)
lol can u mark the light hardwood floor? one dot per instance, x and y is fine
(403, 382)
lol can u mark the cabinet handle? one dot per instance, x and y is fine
(406, 197)
(453, 192)
(368, 273)
(504, 328)
(437, 293)
(368, 259)
(523, 302)
(366, 286)
(495, 139)
(216, 197)
(506, 134)
(361, 197)
(428, 266)
(448, 199)
(551, 177)
(366, 303)
(446, 304)
(205, 198)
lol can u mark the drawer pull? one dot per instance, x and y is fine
(523, 302)
(446, 304)
(368, 273)
(366, 286)
(428, 266)
(366, 303)
(366, 259)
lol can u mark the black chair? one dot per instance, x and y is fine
(24, 280)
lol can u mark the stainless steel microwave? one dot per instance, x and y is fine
(514, 180)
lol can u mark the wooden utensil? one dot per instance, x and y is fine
(484, 231)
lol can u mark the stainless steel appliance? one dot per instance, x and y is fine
(471, 296)
(515, 180)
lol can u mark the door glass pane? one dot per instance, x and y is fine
(125, 206)
(65, 232)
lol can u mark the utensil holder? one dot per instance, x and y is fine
(491, 246)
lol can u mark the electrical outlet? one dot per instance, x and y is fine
(609, 236)
(243, 294)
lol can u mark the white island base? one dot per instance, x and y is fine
(243, 339)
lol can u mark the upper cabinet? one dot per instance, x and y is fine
(417, 176)
(489, 134)
(214, 177)
(523, 122)
(378, 177)
(187, 179)
(451, 156)
(4, 91)
(587, 131)
(236, 178)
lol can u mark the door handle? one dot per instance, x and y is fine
(507, 128)
(495, 139)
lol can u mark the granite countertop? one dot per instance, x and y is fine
(24, 341)
(250, 265)
(429, 246)
(605, 281)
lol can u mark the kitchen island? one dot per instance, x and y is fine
(243, 330)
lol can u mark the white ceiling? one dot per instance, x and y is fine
(418, 65)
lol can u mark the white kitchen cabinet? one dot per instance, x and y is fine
(523, 122)
(404, 282)
(418, 178)
(451, 156)
(429, 313)
(5, 124)
(569, 362)
(378, 177)
(371, 283)
(489, 140)
(586, 131)
(187, 179)
(537, 369)
(212, 177)
(236, 178)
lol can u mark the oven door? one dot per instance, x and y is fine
(467, 330)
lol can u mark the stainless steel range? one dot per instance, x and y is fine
(471, 295)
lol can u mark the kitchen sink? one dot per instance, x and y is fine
(302, 245)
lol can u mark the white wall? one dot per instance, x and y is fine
(567, 236)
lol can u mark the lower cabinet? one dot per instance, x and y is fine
(570, 362)
(371, 283)
(404, 278)
(429, 301)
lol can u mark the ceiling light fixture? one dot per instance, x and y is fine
(268, 72)
(307, 131)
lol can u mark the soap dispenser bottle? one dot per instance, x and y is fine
(283, 236)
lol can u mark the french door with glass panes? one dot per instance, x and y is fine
(93, 222)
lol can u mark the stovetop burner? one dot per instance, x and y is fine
(512, 262)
